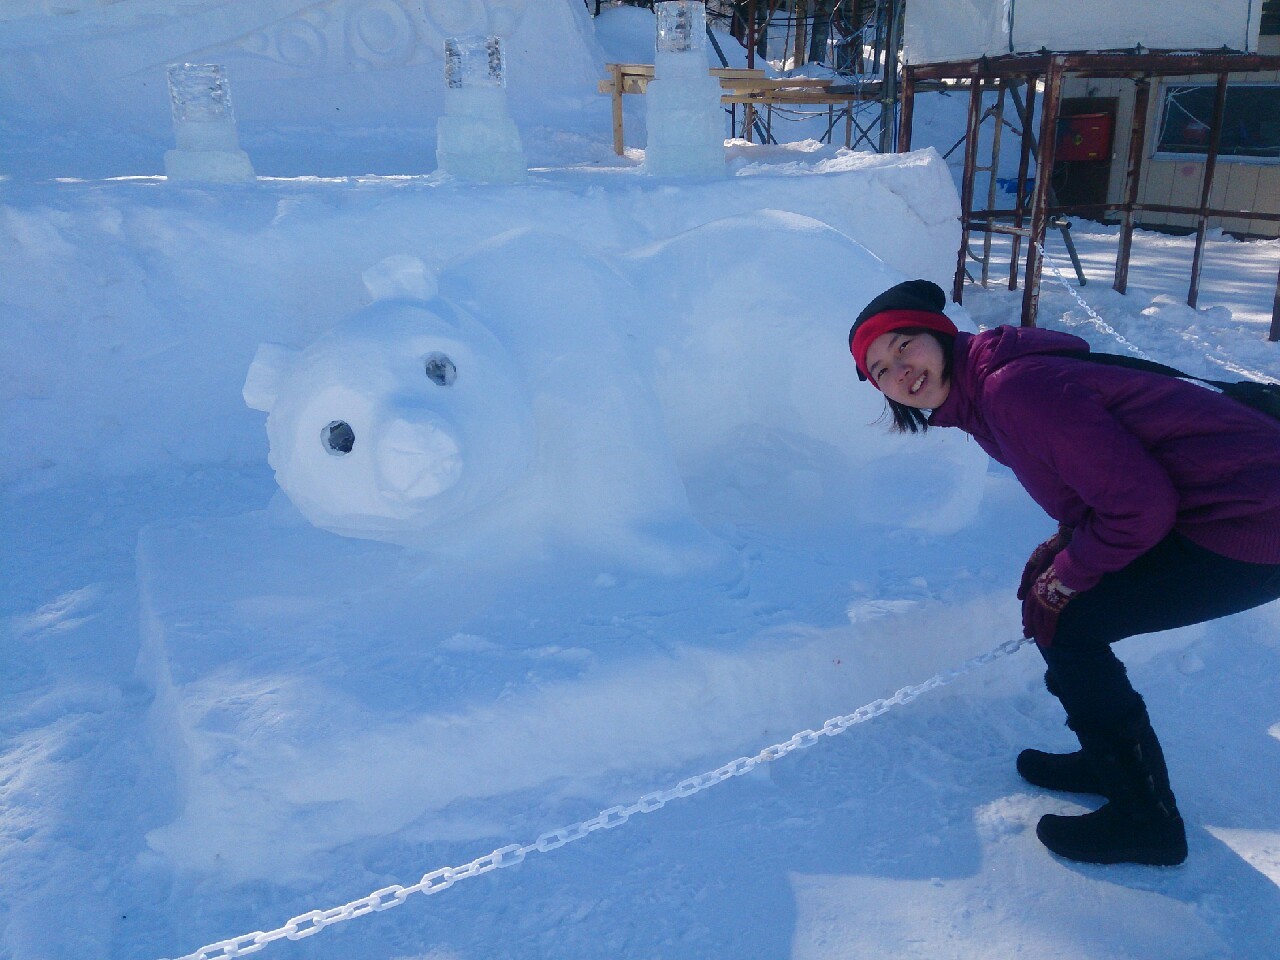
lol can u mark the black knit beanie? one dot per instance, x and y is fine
(908, 295)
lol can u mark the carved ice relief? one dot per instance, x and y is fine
(346, 36)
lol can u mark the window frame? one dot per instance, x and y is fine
(1159, 151)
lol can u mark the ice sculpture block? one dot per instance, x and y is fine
(476, 139)
(204, 127)
(684, 116)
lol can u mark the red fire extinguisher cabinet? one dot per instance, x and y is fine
(1085, 136)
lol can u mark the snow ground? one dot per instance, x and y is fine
(907, 836)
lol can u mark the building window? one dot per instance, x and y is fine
(1270, 18)
(1250, 121)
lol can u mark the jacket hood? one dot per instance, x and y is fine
(978, 356)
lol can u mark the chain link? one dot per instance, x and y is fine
(312, 922)
(1093, 314)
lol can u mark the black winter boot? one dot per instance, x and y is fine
(1140, 823)
(1066, 772)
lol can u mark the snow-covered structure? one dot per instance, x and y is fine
(941, 30)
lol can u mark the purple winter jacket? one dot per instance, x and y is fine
(1121, 456)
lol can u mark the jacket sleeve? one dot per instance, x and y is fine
(1070, 453)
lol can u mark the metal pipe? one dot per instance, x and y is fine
(1132, 178)
(907, 115)
(1275, 313)
(799, 49)
(966, 184)
(1001, 85)
(1206, 187)
(889, 88)
(1103, 65)
(1026, 112)
(1040, 198)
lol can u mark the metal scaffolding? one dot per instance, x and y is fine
(1045, 72)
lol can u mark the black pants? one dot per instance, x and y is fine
(1174, 584)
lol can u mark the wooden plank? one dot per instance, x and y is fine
(1268, 199)
(764, 83)
(634, 79)
(1236, 187)
(618, 146)
(647, 70)
(737, 73)
(1157, 188)
(750, 87)
(1184, 188)
(786, 98)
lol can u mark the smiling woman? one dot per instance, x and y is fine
(902, 343)
(1155, 484)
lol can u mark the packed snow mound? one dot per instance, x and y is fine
(146, 370)
(746, 377)
(626, 33)
(313, 691)
(576, 403)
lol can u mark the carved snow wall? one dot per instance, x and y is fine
(334, 63)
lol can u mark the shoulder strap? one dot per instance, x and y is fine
(1261, 396)
(1137, 363)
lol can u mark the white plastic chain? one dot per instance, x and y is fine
(1093, 314)
(308, 924)
(1229, 365)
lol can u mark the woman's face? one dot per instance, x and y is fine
(907, 367)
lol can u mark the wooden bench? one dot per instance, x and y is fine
(748, 87)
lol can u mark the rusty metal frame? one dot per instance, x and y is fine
(1051, 69)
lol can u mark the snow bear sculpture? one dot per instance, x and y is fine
(416, 423)
(407, 415)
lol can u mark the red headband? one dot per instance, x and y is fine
(887, 321)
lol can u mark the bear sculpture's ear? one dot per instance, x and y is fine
(400, 277)
(262, 384)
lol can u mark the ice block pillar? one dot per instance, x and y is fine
(204, 127)
(684, 116)
(476, 137)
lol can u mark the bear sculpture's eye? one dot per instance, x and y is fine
(440, 369)
(338, 438)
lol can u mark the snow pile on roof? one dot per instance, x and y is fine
(939, 30)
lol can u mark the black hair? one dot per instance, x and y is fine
(913, 419)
